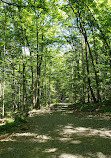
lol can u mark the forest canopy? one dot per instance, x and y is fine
(54, 51)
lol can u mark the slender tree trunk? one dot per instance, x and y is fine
(13, 87)
(45, 87)
(83, 31)
(42, 91)
(32, 86)
(19, 89)
(23, 86)
(39, 62)
(25, 103)
(3, 93)
(32, 73)
(97, 71)
(83, 72)
(89, 80)
(49, 93)
(37, 105)
(72, 74)
(0, 82)
(88, 95)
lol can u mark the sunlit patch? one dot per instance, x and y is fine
(7, 139)
(43, 138)
(50, 150)
(76, 142)
(38, 112)
(25, 134)
(98, 155)
(70, 156)
(68, 131)
(65, 139)
(69, 127)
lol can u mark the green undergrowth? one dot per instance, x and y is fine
(12, 125)
(102, 107)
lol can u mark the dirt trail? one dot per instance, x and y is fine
(60, 135)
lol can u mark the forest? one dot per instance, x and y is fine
(55, 78)
(54, 51)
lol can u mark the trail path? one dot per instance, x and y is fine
(60, 135)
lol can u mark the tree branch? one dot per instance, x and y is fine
(22, 6)
(98, 27)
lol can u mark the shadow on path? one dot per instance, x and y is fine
(60, 135)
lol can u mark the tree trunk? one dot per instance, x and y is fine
(83, 31)
(0, 81)
(37, 104)
(23, 86)
(13, 87)
(19, 93)
(32, 73)
(83, 72)
(89, 80)
(3, 93)
(97, 71)
(25, 103)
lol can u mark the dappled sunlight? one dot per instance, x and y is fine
(83, 131)
(59, 136)
(98, 155)
(65, 139)
(68, 139)
(35, 112)
(76, 142)
(28, 134)
(51, 150)
(101, 155)
(69, 126)
(7, 139)
(15, 135)
(70, 156)
(89, 155)
(42, 138)
(34, 137)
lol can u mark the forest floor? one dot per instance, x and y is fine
(49, 134)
